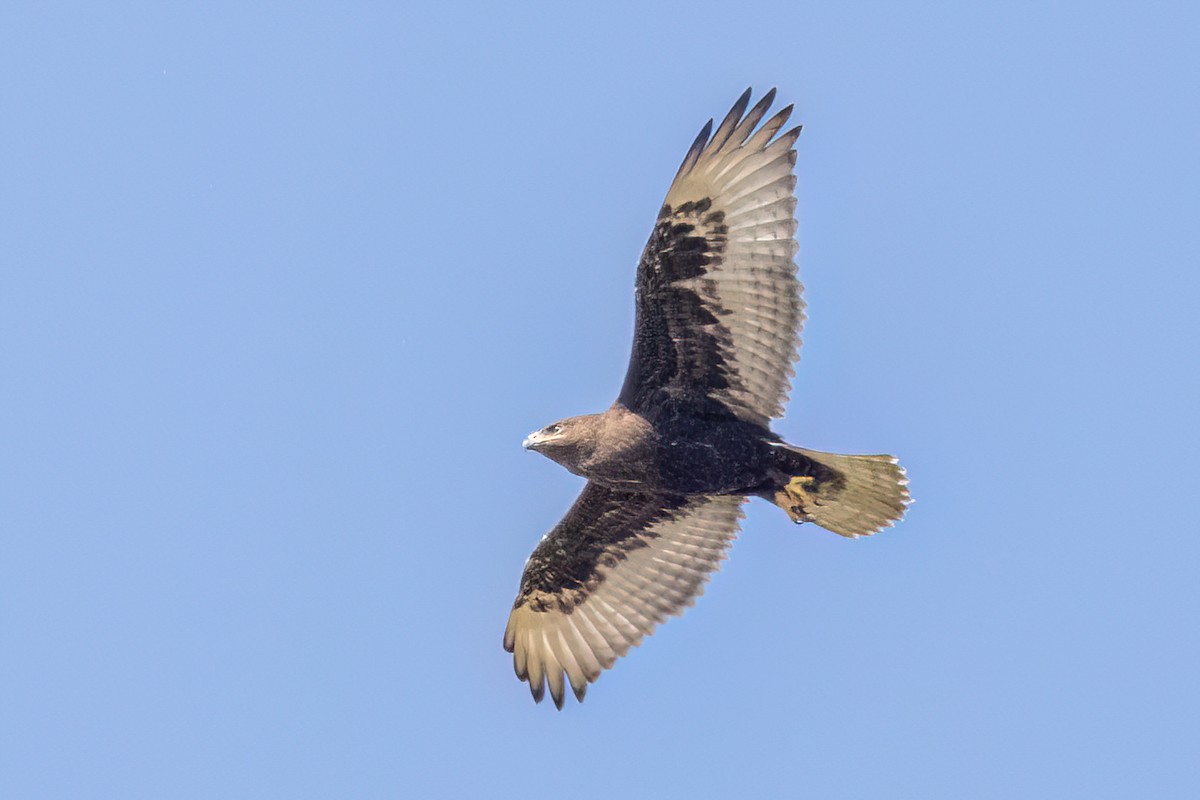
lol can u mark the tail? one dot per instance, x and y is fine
(849, 495)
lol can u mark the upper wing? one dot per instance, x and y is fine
(615, 566)
(718, 303)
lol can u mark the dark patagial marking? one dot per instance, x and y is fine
(681, 341)
(565, 561)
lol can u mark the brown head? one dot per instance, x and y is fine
(571, 441)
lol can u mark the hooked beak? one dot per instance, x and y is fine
(538, 439)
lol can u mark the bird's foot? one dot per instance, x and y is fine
(796, 498)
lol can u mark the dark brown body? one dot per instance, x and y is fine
(675, 453)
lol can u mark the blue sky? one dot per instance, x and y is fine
(283, 288)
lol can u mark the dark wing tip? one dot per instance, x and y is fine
(729, 124)
(742, 132)
(693, 153)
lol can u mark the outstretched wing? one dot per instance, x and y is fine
(616, 565)
(718, 303)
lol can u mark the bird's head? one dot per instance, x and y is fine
(567, 441)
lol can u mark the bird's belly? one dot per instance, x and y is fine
(707, 467)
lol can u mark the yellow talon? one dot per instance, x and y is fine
(796, 499)
(798, 487)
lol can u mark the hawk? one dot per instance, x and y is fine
(688, 439)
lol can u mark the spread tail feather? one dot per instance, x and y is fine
(849, 495)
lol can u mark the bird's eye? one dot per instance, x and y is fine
(553, 429)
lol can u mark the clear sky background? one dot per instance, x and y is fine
(283, 288)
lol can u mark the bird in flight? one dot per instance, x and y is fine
(688, 440)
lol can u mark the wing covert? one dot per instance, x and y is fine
(718, 302)
(615, 567)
